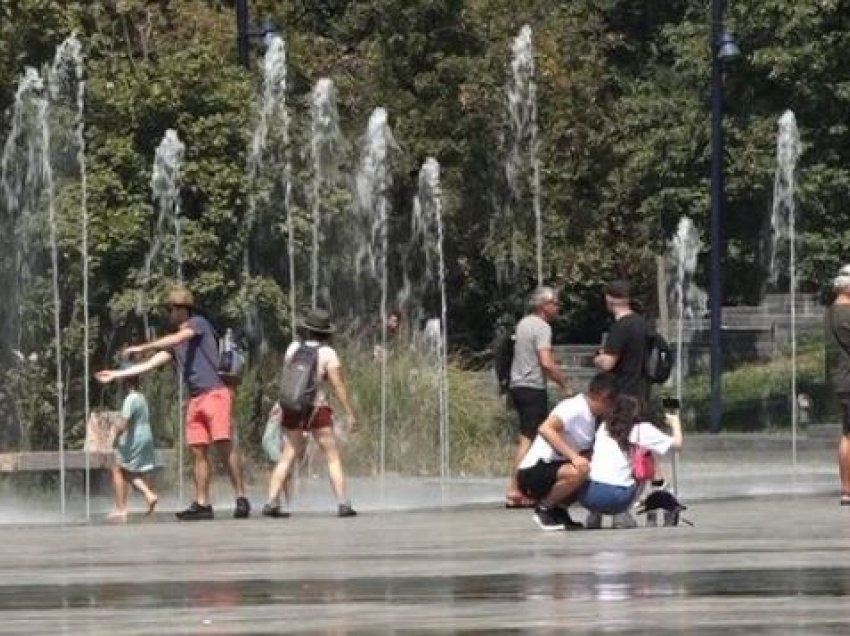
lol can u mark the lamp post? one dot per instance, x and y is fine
(244, 33)
(723, 49)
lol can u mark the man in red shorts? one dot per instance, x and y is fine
(194, 348)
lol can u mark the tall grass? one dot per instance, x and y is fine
(478, 425)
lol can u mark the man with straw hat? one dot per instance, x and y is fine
(837, 340)
(193, 346)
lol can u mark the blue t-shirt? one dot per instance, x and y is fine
(198, 357)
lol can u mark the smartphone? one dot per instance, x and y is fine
(670, 403)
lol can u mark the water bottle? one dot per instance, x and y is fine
(226, 363)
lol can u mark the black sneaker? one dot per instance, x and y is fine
(345, 510)
(270, 510)
(548, 518)
(243, 508)
(566, 519)
(195, 512)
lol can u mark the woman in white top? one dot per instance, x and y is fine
(318, 420)
(612, 486)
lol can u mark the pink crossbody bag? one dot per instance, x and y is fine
(643, 461)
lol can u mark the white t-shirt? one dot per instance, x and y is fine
(327, 359)
(579, 429)
(610, 465)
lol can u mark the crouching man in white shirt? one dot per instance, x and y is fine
(557, 464)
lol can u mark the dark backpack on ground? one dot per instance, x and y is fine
(658, 360)
(503, 358)
(298, 379)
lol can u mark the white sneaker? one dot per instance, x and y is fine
(624, 520)
(593, 521)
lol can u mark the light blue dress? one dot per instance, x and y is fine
(134, 451)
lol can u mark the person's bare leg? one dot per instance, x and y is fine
(232, 460)
(326, 440)
(120, 493)
(288, 485)
(202, 473)
(569, 480)
(143, 487)
(280, 473)
(523, 444)
(844, 464)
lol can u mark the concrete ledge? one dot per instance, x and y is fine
(46, 461)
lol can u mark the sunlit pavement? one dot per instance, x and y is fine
(761, 565)
(768, 555)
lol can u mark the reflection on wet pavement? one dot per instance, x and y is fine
(423, 589)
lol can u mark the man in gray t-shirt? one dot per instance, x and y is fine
(532, 366)
(533, 334)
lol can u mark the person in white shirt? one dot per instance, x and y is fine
(556, 464)
(318, 420)
(612, 486)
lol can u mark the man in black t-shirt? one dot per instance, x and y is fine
(624, 350)
(837, 344)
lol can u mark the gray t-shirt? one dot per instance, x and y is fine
(532, 334)
(198, 358)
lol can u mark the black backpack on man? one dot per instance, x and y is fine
(503, 358)
(658, 359)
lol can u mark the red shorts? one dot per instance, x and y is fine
(321, 417)
(208, 417)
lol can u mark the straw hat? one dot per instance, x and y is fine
(317, 321)
(180, 297)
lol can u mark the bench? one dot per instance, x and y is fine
(46, 461)
(100, 439)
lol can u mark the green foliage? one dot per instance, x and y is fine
(623, 89)
(756, 395)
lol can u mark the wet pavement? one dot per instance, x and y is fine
(776, 565)
(712, 467)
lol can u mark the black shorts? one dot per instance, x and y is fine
(532, 406)
(536, 481)
(844, 400)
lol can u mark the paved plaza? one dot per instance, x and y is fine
(768, 555)
(757, 566)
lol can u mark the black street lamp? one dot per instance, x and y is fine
(244, 33)
(723, 48)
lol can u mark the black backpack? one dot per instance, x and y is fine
(503, 357)
(658, 360)
(298, 379)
